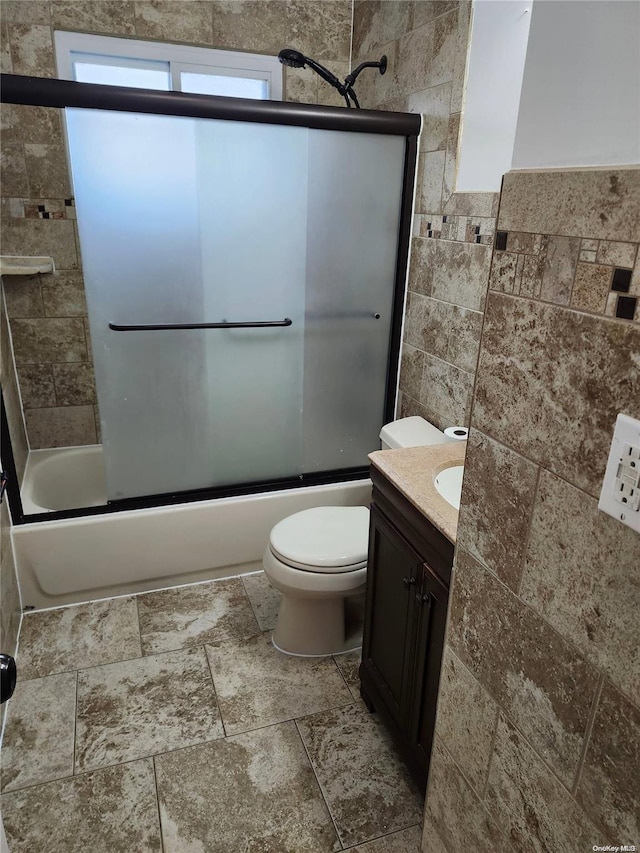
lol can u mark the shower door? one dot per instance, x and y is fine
(191, 231)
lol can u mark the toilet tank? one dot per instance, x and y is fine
(410, 432)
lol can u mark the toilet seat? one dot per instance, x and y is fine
(326, 539)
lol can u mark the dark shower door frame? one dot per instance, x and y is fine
(45, 92)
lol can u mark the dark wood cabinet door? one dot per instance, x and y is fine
(393, 577)
(431, 600)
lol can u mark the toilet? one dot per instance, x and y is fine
(317, 558)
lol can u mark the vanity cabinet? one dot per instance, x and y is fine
(408, 575)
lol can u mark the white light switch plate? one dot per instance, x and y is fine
(620, 495)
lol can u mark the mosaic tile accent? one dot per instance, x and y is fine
(460, 229)
(39, 208)
(582, 273)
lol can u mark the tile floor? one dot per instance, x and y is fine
(168, 722)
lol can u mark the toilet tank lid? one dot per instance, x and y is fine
(411, 432)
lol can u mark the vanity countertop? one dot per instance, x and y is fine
(412, 471)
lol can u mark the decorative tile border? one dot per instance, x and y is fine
(460, 229)
(39, 208)
(595, 276)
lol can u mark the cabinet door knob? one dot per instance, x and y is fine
(422, 598)
(408, 582)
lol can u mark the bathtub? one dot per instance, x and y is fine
(80, 559)
(65, 478)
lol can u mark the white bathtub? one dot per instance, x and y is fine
(65, 478)
(80, 559)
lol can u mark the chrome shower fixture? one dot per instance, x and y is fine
(294, 59)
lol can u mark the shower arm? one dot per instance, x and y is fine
(350, 79)
(295, 59)
(346, 88)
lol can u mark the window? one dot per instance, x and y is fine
(167, 67)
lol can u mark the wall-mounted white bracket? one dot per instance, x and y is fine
(620, 495)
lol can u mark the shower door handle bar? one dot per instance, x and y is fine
(258, 324)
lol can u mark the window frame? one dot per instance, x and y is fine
(179, 57)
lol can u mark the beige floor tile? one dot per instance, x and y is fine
(264, 599)
(143, 707)
(257, 685)
(349, 666)
(366, 786)
(109, 811)
(80, 636)
(252, 792)
(405, 841)
(193, 615)
(38, 741)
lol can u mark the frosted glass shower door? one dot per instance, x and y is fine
(195, 222)
(180, 222)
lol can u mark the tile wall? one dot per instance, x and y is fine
(537, 743)
(426, 45)
(48, 312)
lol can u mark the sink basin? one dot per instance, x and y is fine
(449, 484)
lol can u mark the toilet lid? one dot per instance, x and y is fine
(327, 538)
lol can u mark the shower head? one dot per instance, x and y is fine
(292, 58)
(295, 59)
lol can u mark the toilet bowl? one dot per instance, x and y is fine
(317, 558)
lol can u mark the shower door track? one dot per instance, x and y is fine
(48, 92)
